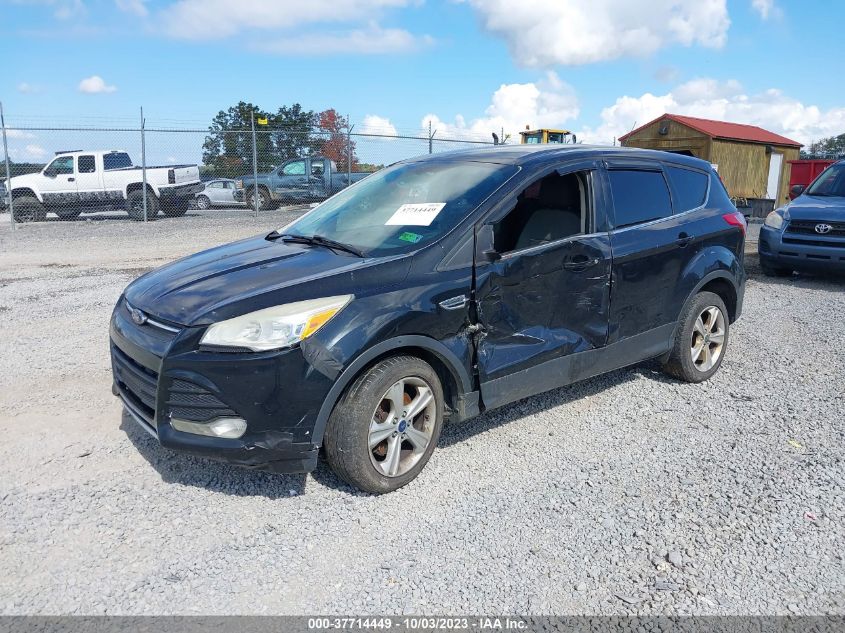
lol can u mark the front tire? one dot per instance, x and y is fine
(701, 340)
(264, 201)
(29, 209)
(135, 205)
(203, 202)
(384, 429)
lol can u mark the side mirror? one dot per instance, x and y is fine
(485, 244)
(49, 172)
(796, 190)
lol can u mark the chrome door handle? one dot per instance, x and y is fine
(454, 303)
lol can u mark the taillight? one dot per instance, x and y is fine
(736, 219)
(171, 176)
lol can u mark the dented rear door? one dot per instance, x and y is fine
(539, 305)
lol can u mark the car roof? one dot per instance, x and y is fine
(531, 154)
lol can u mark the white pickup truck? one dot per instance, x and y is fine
(88, 181)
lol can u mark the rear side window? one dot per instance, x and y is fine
(690, 187)
(639, 196)
(86, 165)
(118, 160)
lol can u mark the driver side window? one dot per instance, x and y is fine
(549, 209)
(294, 169)
(61, 165)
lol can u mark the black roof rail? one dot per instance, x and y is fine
(67, 151)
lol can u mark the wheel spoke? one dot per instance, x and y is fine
(696, 351)
(396, 395)
(420, 402)
(419, 439)
(699, 326)
(380, 433)
(713, 315)
(394, 454)
(707, 362)
(718, 339)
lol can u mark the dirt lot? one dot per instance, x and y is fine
(629, 493)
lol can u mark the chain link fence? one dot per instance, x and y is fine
(150, 172)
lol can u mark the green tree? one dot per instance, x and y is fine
(832, 146)
(227, 149)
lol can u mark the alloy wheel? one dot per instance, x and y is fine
(401, 426)
(708, 338)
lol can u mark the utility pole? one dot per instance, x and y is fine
(144, 163)
(254, 166)
(8, 169)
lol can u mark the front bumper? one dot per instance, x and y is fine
(784, 248)
(161, 373)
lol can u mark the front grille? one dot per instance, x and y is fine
(136, 383)
(806, 242)
(808, 227)
(189, 401)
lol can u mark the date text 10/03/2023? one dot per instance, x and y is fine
(423, 623)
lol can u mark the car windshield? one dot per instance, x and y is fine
(830, 183)
(403, 207)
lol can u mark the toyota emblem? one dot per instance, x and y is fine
(138, 317)
(823, 228)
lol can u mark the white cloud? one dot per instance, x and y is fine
(724, 101)
(34, 152)
(549, 102)
(371, 41)
(573, 32)
(135, 7)
(215, 19)
(766, 8)
(95, 85)
(27, 88)
(18, 134)
(374, 124)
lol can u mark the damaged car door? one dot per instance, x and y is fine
(543, 263)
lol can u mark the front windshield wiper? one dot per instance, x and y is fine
(319, 240)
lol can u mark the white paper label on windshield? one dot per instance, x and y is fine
(415, 214)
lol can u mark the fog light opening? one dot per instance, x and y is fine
(231, 428)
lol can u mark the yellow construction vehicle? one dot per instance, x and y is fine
(546, 135)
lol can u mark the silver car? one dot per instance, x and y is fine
(218, 193)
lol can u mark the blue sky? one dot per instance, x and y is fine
(470, 66)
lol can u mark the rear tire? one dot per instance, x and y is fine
(176, 208)
(775, 271)
(203, 202)
(384, 429)
(135, 205)
(29, 209)
(701, 340)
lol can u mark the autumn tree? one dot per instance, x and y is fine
(336, 144)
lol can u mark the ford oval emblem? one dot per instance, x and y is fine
(138, 317)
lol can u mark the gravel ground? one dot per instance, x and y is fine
(628, 493)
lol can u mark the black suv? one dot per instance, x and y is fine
(433, 290)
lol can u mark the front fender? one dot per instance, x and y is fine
(351, 372)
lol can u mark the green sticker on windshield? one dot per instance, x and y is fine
(413, 238)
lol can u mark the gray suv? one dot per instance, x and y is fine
(808, 234)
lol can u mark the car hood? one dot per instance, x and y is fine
(253, 274)
(24, 180)
(817, 208)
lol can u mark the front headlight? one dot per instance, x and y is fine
(774, 220)
(239, 184)
(277, 327)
